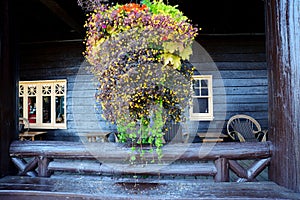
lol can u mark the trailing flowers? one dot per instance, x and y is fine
(138, 54)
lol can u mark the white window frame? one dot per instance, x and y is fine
(203, 116)
(59, 91)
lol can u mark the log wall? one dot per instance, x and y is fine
(240, 82)
(64, 60)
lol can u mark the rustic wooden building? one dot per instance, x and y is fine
(255, 57)
(239, 81)
(234, 57)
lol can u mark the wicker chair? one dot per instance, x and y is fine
(244, 128)
(24, 124)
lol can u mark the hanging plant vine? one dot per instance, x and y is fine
(137, 54)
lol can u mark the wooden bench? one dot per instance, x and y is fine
(218, 159)
(96, 136)
(30, 135)
(212, 137)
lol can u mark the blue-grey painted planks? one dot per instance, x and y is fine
(240, 80)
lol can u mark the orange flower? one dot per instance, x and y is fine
(132, 7)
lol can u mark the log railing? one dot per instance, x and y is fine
(40, 158)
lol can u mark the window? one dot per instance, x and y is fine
(202, 98)
(44, 103)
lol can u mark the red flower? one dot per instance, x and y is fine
(132, 7)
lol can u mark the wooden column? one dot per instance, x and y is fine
(283, 60)
(43, 163)
(8, 127)
(222, 170)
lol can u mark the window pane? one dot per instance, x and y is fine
(60, 112)
(21, 107)
(196, 83)
(47, 109)
(200, 105)
(196, 92)
(32, 109)
(204, 83)
(204, 92)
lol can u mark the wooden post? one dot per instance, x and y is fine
(8, 122)
(222, 170)
(283, 61)
(43, 163)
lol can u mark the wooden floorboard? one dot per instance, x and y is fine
(97, 187)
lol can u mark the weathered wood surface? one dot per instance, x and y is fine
(222, 170)
(182, 169)
(26, 168)
(67, 187)
(241, 69)
(113, 158)
(113, 151)
(248, 174)
(283, 50)
(43, 162)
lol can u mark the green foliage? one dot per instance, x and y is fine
(159, 7)
(149, 131)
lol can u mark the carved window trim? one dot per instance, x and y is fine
(51, 90)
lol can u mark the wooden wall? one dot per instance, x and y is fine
(240, 67)
(241, 80)
(64, 60)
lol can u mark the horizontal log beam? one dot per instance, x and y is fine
(116, 151)
(113, 158)
(195, 169)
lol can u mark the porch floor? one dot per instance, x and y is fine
(103, 187)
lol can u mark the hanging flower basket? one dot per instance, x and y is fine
(138, 54)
